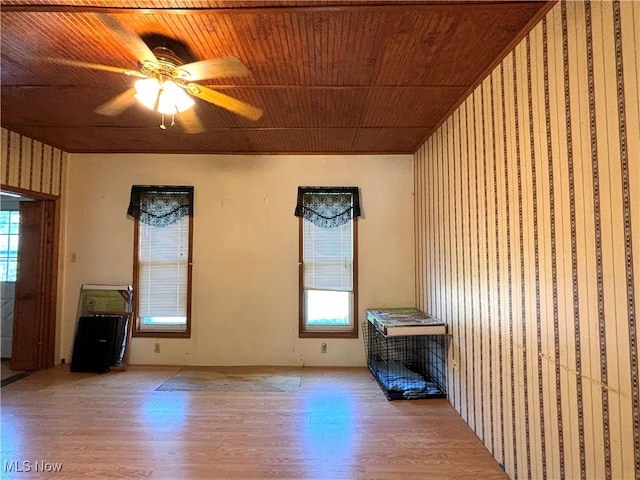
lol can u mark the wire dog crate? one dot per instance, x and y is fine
(406, 366)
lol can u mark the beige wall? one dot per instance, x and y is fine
(527, 205)
(245, 283)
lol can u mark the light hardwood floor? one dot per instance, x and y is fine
(338, 425)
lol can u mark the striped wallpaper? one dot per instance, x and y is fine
(29, 165)
(527, 202)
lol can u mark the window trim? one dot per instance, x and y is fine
(137, 332)
(330, 333)
(6, 259)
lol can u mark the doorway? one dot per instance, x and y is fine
(28, 265)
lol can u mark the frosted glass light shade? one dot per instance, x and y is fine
(173, 99)
(147, 91)
(170, 98)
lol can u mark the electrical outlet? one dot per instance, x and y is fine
(156, 347)
(323, 348)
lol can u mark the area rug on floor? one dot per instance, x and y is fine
(234, 379)
(14, 378)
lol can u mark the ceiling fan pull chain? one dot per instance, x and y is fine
(162, 125)
(173, 119)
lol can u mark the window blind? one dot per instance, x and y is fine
(327, 257)
(163, 270)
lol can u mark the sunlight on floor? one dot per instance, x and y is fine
(329, 433)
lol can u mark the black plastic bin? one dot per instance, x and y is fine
(95, 344)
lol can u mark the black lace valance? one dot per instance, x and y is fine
(160, 206)
(328, 207)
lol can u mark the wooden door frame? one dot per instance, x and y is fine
(46, 356)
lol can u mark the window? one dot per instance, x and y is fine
(328, 261)
(162, 259)
(9, 236)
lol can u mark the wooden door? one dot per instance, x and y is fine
(34, 320)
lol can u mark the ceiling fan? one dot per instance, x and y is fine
(166, 84)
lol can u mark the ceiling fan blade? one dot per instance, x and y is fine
(94, 66)
(190, 121)
(225, 101)
(118, 104)
(130, 39)
(215, 68)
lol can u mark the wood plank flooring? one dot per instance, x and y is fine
(338, 425)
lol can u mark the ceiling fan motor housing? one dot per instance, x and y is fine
(166, 55)
(166, 68)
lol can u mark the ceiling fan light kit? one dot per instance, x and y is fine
(163, 89)
(164, 97)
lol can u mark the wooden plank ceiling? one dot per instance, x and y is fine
(330, 76)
